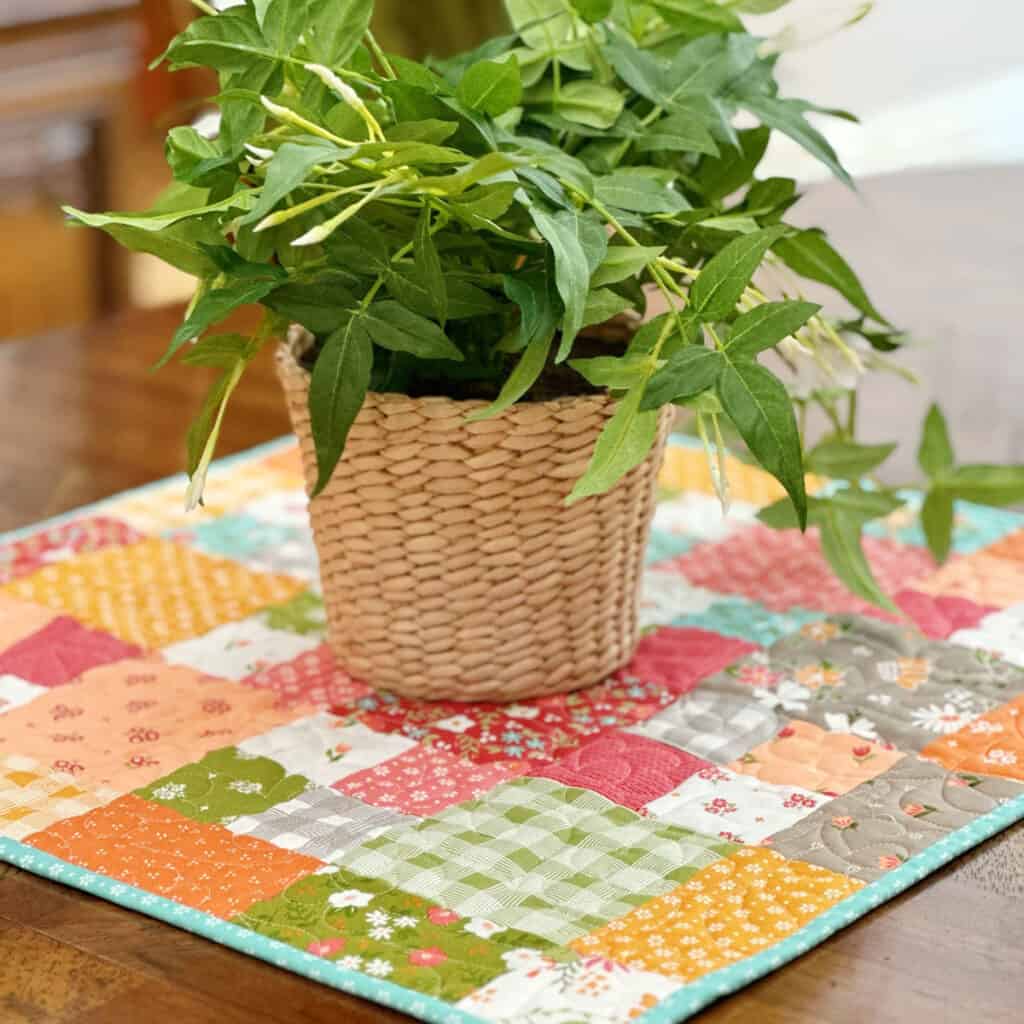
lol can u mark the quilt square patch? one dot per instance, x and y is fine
(716, 726)
(700, 518)
(59, 543)
(226, 784)
(286, 508)
(125, 724)
(629, 769)
(667, 596)
(1001, 634)
(889, 818)
(992, 744)
(312, 678)
(877, 680)
(940, 615)
(15, 692)
(554, 861)
(303, 615)
(20, 619)
(62, 650)
(239, 536)
(749, 620)
(325, 748)
(363, 924)
(591, 990)
(157, 849)
(534, 731)
(153, 593)
(739, 808)
(678, 659)
(31, 798)
(321, 823)
(982, 578)
(424, 780)
(729, 911)
(239, 649)
(802, 754)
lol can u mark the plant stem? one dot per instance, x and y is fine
(379, 55)
(204, 7)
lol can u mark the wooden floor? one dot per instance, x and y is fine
(83, 419)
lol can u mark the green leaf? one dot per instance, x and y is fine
(340, 381)
(320, 304)
(810, 255)
(937, 522)
(617, 373)
(572, 269)
(841, 545)
(698, 16)
(935, 454)
(758, 6)
(722, 282)
(639, 193)
(603, 305)
(624, 261)
(718, 177)
(624, 443)
(480, 170)
(287, 170)
(687, 374)
(844, 460)
(592, 11)
(394, 327)
(335, 28)
(229, 41)
(186, 151)
(987, 485)
(466, 300)
(589, 103)
(282, 22)
(492, 87)
(428, 266)
(541, 24)
(161, 219)
(431, 130)
(201, 429)
(679, 132)
(221, 351)
(863, 506)
(762, 412)
(766, 325)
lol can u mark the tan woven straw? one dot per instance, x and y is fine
(451, 567)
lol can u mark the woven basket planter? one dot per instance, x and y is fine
(451, 567)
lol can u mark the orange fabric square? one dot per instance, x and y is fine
(154, 593)
(982, 578)
(1010, 547)
(288, 463)
(990, 745)
(130, 722)
(805, 755)
(156, 849)
(730, 910)
(19, 620)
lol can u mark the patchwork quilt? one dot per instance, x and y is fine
(778, 759)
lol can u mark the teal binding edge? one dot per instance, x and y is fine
(682, 1004)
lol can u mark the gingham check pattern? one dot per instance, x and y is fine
(716, 726)
(320, 823)
(538, 856)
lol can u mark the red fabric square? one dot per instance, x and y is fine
(631, 770)
(535, 731)
(939, 616)
(784, 569)
(678, 658)
(58, 543)
(62, 651)
(423, 781)
(312, 678)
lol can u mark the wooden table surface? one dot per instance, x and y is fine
(83, 419)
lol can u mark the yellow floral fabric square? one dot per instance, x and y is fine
(154, 593)
(726, 912)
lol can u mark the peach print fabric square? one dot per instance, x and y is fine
(982, 578)
(990, 745)
(154, 593)
(126, 724)
(157, 849)
(807, 756)
(20, 619)
(728, 911)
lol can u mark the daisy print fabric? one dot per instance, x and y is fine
(776, 759)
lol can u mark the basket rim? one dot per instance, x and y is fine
(298, 340)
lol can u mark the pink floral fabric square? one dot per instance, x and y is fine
(313, 678)
(678, 659)
(629, 769)
(62, 650)
(423, 781)
(940, 615)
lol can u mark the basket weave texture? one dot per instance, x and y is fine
(451, 567)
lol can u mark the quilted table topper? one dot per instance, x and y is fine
(778, 759)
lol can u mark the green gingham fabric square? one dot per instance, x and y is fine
(544, 858)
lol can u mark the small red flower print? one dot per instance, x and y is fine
(431, 957)
(141, 761)
(861, 752)
(757, 675)
(139, 705)
(140, 679)
(730, 837)
(914, 810)
(140, 734)
(799, 800)
(71, 767)
(719, 806)
(713, 774)
(67, 737)
(215, 706)
(438, 915)
(889, 861)
(59, 711)
(326, 947)
(844, 822)
(785, 732)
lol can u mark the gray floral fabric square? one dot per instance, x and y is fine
(874, 679)
(883, 822)
(719, 727)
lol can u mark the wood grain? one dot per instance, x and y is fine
(83, 419)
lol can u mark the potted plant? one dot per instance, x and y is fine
(460, 254)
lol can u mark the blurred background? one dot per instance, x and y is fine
(934, 230)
